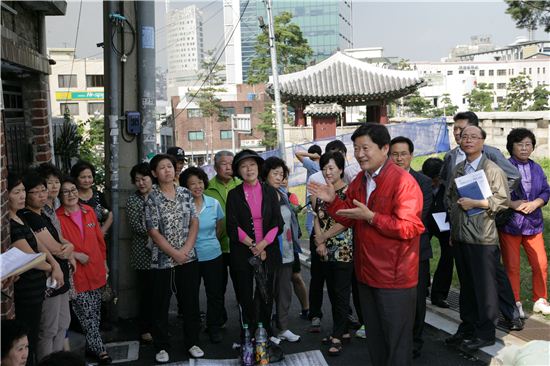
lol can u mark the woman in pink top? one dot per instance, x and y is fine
(253, 223)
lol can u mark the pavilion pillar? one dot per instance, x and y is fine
(383, 114)
(299, 117)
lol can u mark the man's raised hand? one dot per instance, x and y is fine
(324, 192)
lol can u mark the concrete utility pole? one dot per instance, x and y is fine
(275, 73)
(113, 92)
(145, 17)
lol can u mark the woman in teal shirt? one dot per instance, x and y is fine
(208, 248)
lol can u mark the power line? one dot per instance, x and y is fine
(216, 62)
(74, 55)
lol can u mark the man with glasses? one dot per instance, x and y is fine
(475, 239)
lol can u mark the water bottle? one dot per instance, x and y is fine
(247, 349)
(262, 358)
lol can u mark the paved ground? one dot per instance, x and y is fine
(355, 353)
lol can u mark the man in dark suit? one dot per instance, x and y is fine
(401, 152)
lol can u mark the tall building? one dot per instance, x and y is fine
(327, 26)
(185, 45)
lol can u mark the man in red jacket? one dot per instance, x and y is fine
(384, 207)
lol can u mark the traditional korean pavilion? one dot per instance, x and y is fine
(324, 90)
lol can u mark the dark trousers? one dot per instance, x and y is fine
(443, 274)
(338, 276)
(184, 278)
(211, 273)
(227, 271)
(389, 318)
(420, 312)
(29, 315)
(254, 308)
(477, 271)
(506, 299)
(316, 282)
(355, 298)
(145, 287)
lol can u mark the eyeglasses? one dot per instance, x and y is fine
(471, 138)
(69, 192)
(526, 145)
(42, 191)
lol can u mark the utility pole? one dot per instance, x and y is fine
(145, 17)
(275, 73)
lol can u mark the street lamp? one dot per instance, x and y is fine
(275, 73)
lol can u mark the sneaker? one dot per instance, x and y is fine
(520, 309)
(196, 352)
(287, 335)
(360, 333)
(541, 306)
(162, 357)
(315, 326)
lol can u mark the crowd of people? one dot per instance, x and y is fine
(369, 226)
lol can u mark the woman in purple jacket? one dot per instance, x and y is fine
(526, 225)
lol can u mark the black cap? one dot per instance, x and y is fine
(176, 152)
(246, 154)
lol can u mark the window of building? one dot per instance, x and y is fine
(194, 113)
(501, 72)
(461, 72)
(490, 85)
(72, 107)
(481, 72)
(449, 72)
(544, 70)
(67, 81)
(472, 72)
(247, 110)
(228, 111)
(501, 86)
(98, 108)
(500, 99)
(225, 135)
(94, 81)
(491, 72)
(195, 135)
(529, 71)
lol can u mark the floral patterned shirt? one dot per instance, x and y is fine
(339, 247)
(172, 218)
(140, 252)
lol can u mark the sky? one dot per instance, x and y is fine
(413, 30)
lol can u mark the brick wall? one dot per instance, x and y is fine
(7, 310)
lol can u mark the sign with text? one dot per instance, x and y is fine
(80, 95)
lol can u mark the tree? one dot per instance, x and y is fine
(66, 142)
(293, 50)
(480, 99)
(540, 99)
(206, 97)
(517, 94)
(529, 14)
(404, 64)
(92, 146)
(266, 126)
(416, 104)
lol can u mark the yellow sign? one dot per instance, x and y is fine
(79, 95)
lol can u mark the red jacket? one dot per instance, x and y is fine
(386, 252)
(91, 275)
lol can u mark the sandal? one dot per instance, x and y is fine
(104, 359)
(146, 338)
(335, 348)
(346, 338)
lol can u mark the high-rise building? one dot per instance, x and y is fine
(327, 25)
(185, 45)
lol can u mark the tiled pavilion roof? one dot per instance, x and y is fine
(328, 109)
(347, 81)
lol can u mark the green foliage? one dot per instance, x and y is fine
(446, 107)
(529, 14)
(517, 94)
(267, 127)
(480, 98)
(416, 104)
(92, 148)
(540, 99)
(404, 64)
(293, 50)
(206, 98)
(67, 142)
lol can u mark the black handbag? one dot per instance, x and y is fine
(502, 218)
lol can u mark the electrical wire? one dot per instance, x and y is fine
(216, 62)
(74, 56)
